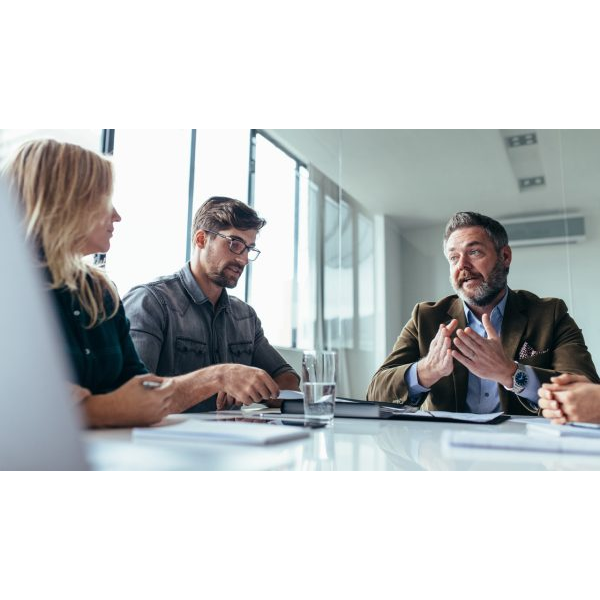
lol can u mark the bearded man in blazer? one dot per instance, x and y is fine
(487, 348)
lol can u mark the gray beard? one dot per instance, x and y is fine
(487, 290)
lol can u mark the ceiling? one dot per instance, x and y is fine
(420, 177)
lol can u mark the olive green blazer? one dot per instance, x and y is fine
(535, 331)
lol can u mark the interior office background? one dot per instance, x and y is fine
(355, 220)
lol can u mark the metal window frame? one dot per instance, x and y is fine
(107, 148)
(191, 184)
(107, 143)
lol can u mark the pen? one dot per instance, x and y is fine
(151, 384)
(585, 425)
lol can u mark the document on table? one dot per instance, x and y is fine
(440, 415)
(257, 407)
(232, 432)
(347, 407)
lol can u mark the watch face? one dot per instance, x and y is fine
(521, 378)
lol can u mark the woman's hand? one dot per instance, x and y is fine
(132, 404)
(78, 393)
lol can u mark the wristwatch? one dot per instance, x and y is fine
(519, 380)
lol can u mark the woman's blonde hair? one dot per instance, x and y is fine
(64, 189)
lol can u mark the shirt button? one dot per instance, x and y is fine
(87, 351)
(486, 394)
(76, 313)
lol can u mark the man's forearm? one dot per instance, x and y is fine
(195, 387)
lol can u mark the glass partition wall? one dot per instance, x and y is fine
(543, 185)
(386, 196)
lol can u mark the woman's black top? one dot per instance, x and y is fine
(103, 357)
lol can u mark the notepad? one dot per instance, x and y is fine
(518, 442)
(586, 430)
(231, 432)
(290, 395)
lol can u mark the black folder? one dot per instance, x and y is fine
(362, 409)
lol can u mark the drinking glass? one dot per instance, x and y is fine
(318, 376)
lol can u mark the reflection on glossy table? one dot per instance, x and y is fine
(346, 445)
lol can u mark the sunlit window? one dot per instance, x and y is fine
(338, 273)
(11, 139)
(221, 169)
(151, 193)
(366, 284)
(272, 275)
(307, 250)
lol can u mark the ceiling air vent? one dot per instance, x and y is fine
(545, 229)
(527, 182)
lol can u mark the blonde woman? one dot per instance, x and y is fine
(65, 193)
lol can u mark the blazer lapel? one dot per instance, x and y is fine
(513, 328)
(513, 325)
(460, 374)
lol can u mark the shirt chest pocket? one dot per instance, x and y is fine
(190, 355)
(241, 352)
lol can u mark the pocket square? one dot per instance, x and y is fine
(528, 351)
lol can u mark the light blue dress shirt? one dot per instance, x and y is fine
(482, 394)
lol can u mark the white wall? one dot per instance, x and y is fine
(544, 270)
(389, 269)
(425, 268)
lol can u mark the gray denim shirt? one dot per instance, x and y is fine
(175, 329)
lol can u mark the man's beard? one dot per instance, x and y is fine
(487, 290)
(224, 279)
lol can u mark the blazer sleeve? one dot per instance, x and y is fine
(388, 383)
(569, 352)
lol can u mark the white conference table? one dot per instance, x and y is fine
(346, 445)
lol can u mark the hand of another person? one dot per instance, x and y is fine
(438, 362)
(484, 357)
(565, 379)
(570, 397)
(247, 384)
(551, 409)
(132, 404)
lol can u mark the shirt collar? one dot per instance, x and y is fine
(497, 311)
(195, 291)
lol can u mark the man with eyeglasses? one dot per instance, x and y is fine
(187, 321)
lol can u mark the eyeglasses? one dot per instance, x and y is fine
(237, 246)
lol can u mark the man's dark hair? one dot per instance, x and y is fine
(495, 230)
(219, 213)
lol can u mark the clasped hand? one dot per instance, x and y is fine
(570, 397)
(484, 357)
